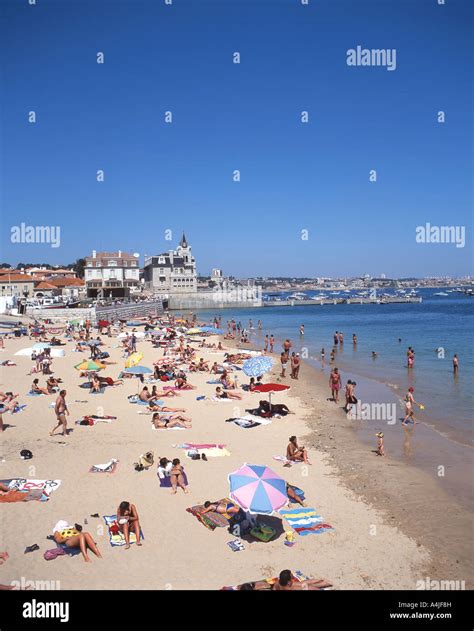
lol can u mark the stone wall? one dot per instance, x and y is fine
(239, 299)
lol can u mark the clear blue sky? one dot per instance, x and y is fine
(294, 176)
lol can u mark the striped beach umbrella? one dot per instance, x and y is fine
(257, 489)
(89, 364)
(138, 370)
(257, 366)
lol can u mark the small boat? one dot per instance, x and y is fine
(440, 293)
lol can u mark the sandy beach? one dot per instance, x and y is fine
(386, 517)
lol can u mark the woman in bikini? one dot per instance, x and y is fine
(174, 420)
(72, 538)
(221, 394)
(177, 477)
(36, 389)
(335, 384)
(409, 403)
(220, 507)
(127, 519)
(294, 453)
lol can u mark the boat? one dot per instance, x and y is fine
(440, 293)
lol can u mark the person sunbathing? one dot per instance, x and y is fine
(182, 384)
(220, 507)
(221, 394)
(95, 384)
(290, 491)
(146, 396)
(177, 477)
(168, 422)
(128, 521)
(72, 538)
(36, 389)
(294, 453)
(8, 401)
(203, 366)
(52, 385)
(286, 583)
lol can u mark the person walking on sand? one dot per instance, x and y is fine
(335, 384)
(61, 410)
(409, 403)
(265, 344)
(284, 362)
(272, 343)
(455, 364)
(287, 347)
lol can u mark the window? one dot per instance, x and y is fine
(161, 260)
(112, 264)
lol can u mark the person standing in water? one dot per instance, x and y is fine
(272, 343)
(302, 329)
(354, 339)
(265, 345)
(455, 364)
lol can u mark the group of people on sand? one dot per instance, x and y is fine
(286, 583)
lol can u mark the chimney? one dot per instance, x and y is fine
(120, 254)
(94, 254)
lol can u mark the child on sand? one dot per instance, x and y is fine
(380, 446)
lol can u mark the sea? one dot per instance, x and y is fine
(436, 329)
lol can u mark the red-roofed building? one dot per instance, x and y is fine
(12, 283)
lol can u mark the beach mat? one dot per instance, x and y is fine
(108, 467)
(211, 520)
(305, 521)
(23, 490)
(118, 539)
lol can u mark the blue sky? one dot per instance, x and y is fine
(243, 116)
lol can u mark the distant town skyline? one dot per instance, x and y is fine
(120, 126)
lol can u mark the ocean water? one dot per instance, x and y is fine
(439, 322)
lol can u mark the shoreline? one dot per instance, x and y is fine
(377, 486)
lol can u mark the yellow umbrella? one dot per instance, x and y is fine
(89, 364)
(133, 360)
(193, 331)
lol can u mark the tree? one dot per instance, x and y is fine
(5, 265)
(78, 267)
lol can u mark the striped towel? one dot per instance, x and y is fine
(305, 521)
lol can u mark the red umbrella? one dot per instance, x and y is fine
(103, 323)
(271, 387)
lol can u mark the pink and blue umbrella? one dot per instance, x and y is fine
(257, 489)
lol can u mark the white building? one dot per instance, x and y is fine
(173, 271)
(111, 274)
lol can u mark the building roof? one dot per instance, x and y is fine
(112, 255)
(66, 281)
(16, 277)
(44, 285)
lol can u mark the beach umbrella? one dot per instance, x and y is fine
(89, 364)
(41, 345)
(102, 323)
(138, 370)
(194, 331)
(271, 387)
(211, 329)
(133, 360)
(257, 366)
(257, 489)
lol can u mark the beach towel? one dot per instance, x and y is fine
(161, 429)
(18, 408)
(23, 490)
(199, 446)
(118, 539)
(305, 521)
(214, 382)
(214, 398)
(108, 467)
(249, 421)
(35, 394)
(212, 452)
(212, 520)
(284, 460)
